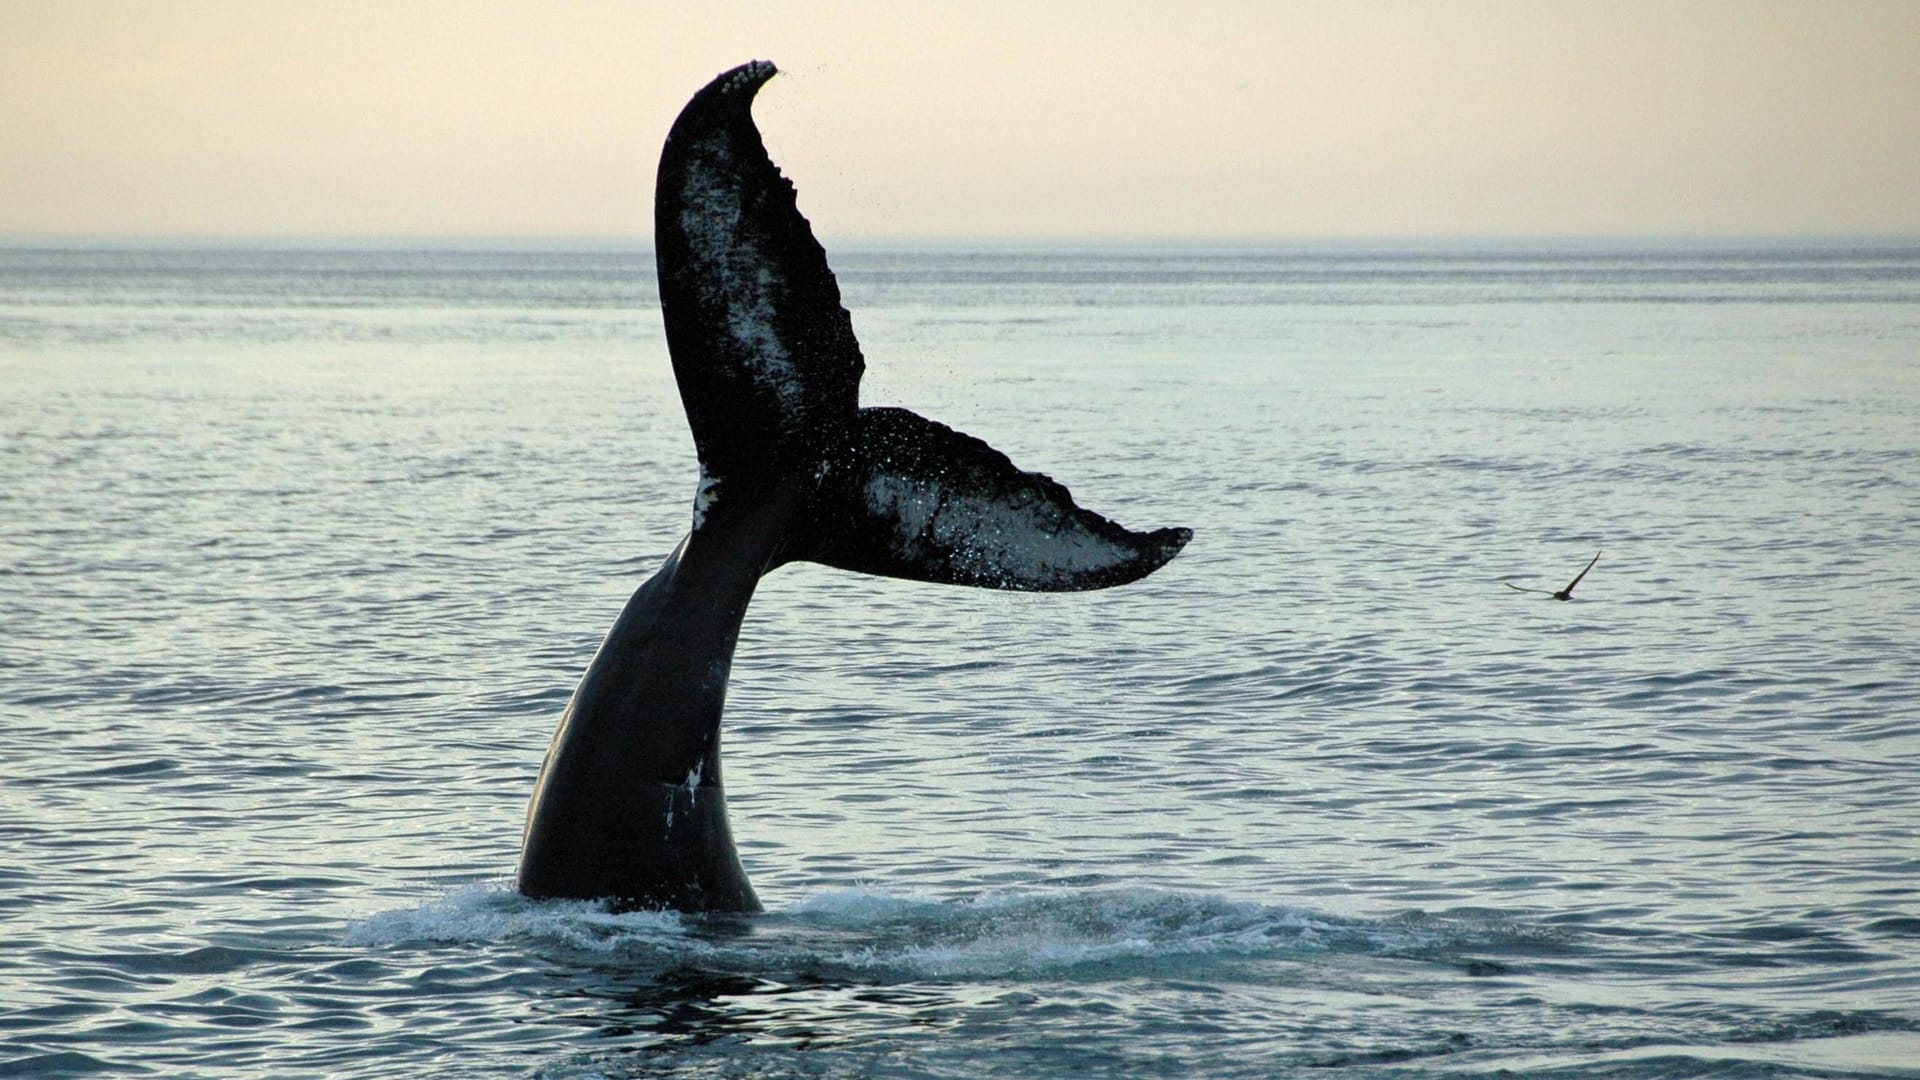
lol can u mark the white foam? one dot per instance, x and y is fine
(495, 911)
(998, 934)
(1098, 933)
(859, 904)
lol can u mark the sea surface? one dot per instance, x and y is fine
(301, 553)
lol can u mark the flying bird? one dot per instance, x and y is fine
(1563, 594)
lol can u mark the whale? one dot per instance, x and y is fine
(629, 807)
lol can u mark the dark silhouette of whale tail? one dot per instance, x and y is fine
(629, 804)
(911, 498)
(769, 371)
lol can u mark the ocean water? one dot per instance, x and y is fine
(302, 552)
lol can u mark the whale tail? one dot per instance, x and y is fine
(629, 803)
(915, 499)
(769, 371)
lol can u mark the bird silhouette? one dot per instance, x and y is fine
(1563, 594)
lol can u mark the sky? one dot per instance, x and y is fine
(985, 119)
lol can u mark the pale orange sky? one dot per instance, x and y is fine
(983, 119)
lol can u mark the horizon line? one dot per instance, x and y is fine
(642, 243)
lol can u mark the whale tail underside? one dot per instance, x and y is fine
(769, 371)
(912, 498)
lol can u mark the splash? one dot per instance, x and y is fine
(870, 934)
(495, 912)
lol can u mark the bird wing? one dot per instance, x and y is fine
(1581, 574)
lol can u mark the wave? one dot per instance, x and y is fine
(871, 934)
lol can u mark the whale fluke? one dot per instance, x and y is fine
(763, 351)
(629, 805)
(916, 499)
